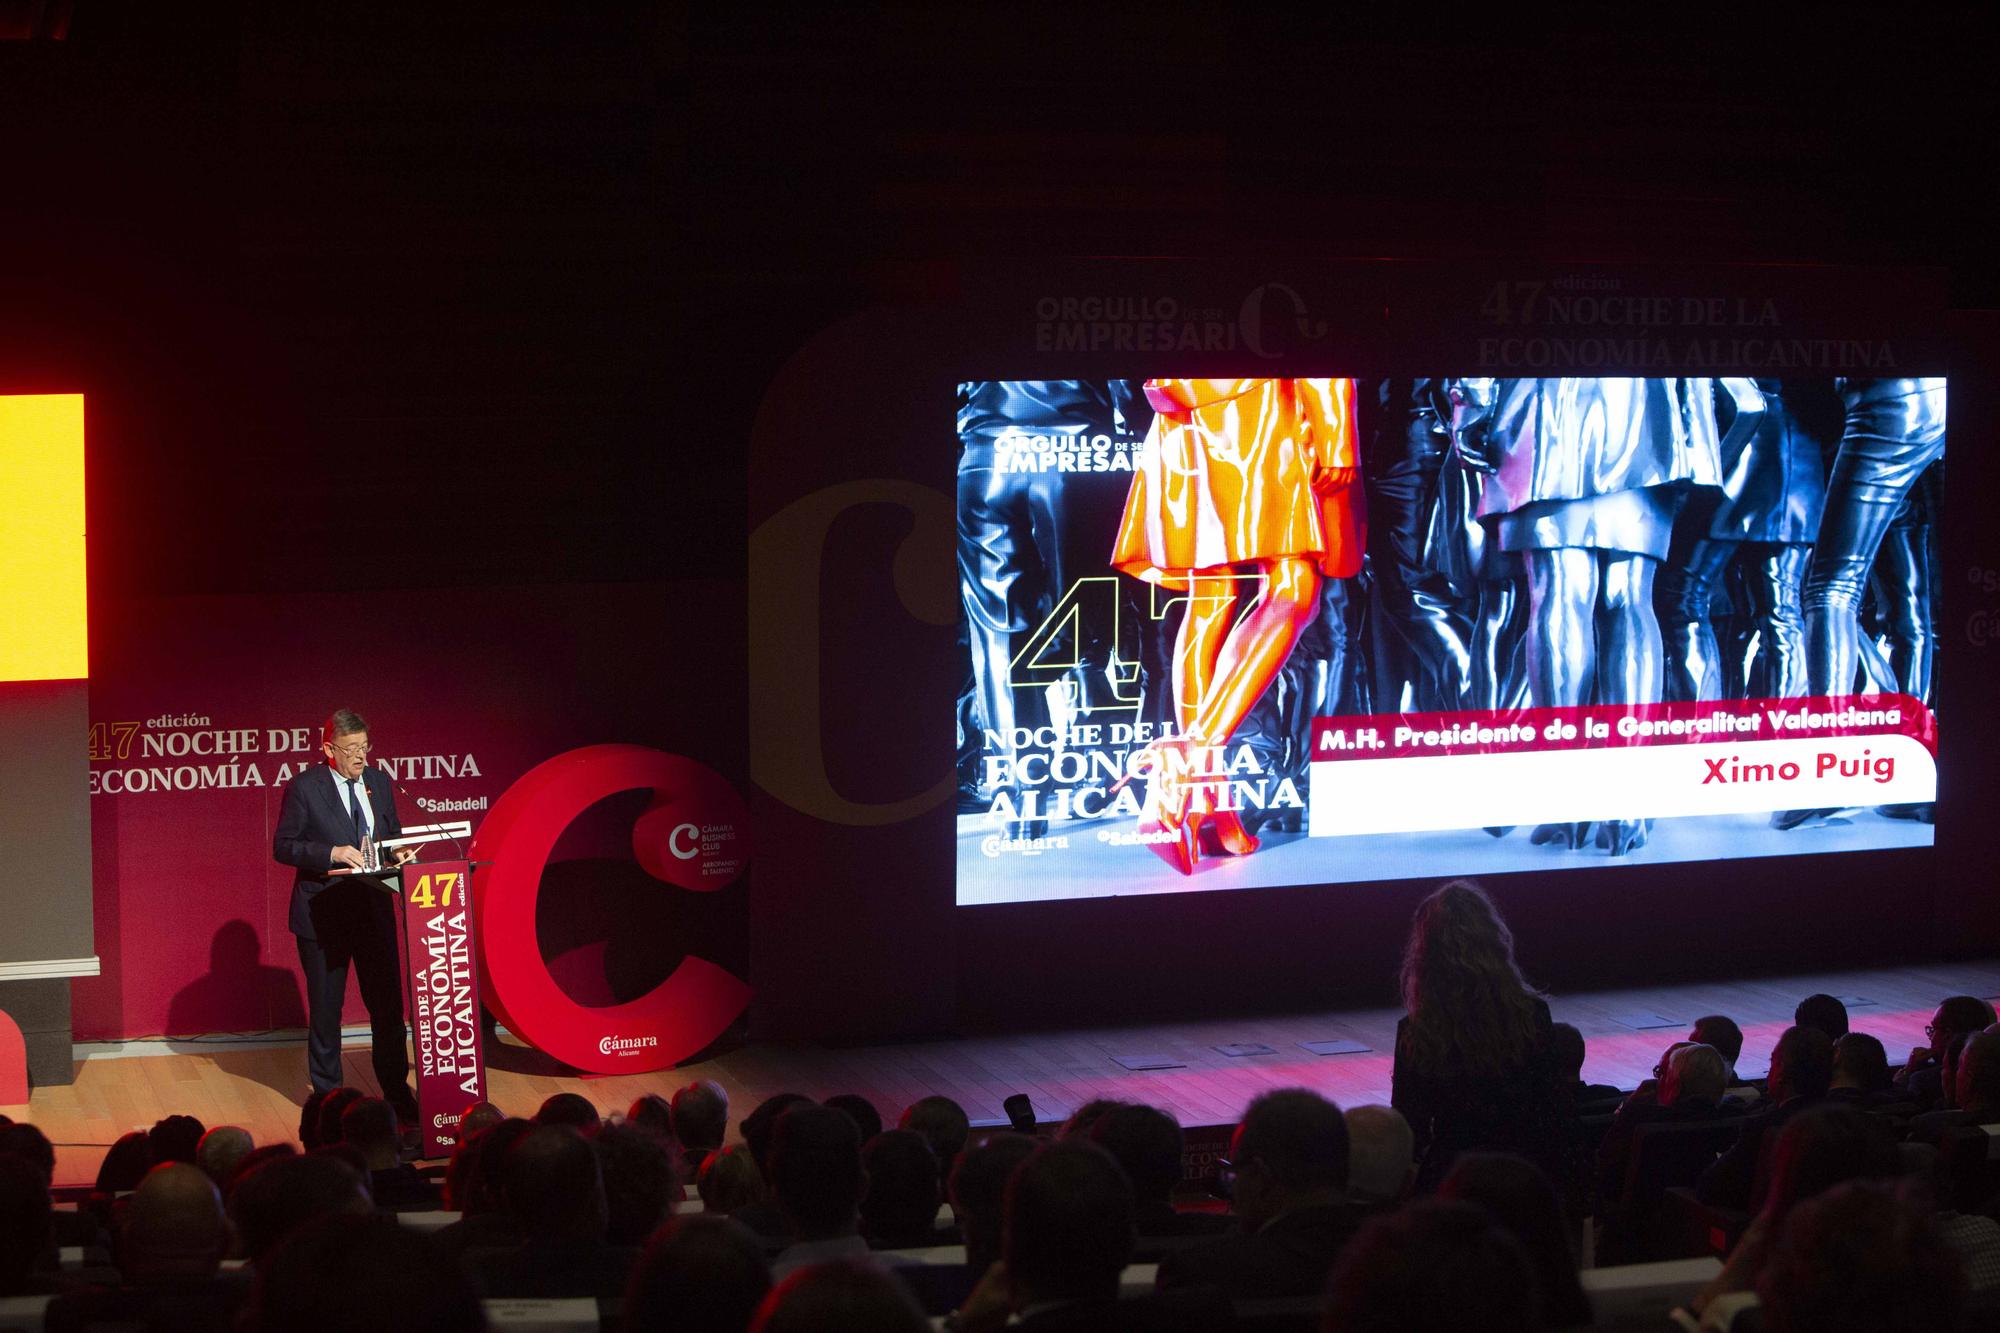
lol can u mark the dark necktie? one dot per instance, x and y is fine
(354, 810)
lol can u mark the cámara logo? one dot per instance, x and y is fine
(614, 1045)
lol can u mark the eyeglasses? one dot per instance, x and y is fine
(349, 751)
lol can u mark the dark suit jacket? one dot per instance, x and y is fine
(314, 821)
(1290, 1256)
(1741, 1176)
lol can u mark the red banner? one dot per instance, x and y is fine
(444, 997)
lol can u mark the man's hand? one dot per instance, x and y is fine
(405, 855)
(348, 856)
(986, 1309)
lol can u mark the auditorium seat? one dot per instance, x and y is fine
(22, 1314)
(1969, 1167)
(578, 1314)
(1664, 1155)
(1632, 1293)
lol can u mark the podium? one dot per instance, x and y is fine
(440, 967)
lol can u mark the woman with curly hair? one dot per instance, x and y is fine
(1476, 1066)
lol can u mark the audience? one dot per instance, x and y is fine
(369, 1127)
(1434, 1267)
(125, 1164)
(866, 1118)
(1975, 1090)
(729, 1182)
(701, 1121)
(1289, 1158)
(1521, 1200)
(816, 1182)
(331, 1108)
(571, 1109)
(1824, 1012)
(839, 1297)
(1801, 1070)
(24, 1228)
(654, 1114)
(1720, 1032)
(1066, 1238)
(1381, 1157)
(1146, 1143)
(1861, 1258)
(338, 1274)
(1084, 1117)
(698, 1275)
(282, 1194)
(221, 1151)
(478, 1116)
(1690, 1088)
(762, 1216)
(1860, 1071)
(554, 1191)
(1475, 1055)
(978, 1192)
(1568, 1045)
(476, 1181)
(943, 1124)
(639, 1182)
(1921, 1074)
(900, 1204)
(170, 1252)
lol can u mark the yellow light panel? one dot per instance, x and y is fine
(43, 620)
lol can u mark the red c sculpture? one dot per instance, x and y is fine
(695, 835)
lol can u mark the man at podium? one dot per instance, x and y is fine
(331, 817)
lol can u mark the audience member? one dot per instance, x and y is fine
(978, 1192)
(866, 1118)
(369, 1127)
(170, 1251)
(479, 1193)
(1818, 1148)
(1860, 1259)
(899, 1205)
(1693, 1080)
(729, 1182)
(1720, 1032)
(174, 1139)
(763, 1216)
(1475, 1059)
(654, 1114)
(256, 1157)
(1289, 1157)
(816, 1182)
(1066, 1238)
(1521, 1199)
(839, 1297)
(28, 1143)
(1921, 1075)
(331, 1107)
(1566, 1041)
(639, 1182)
(220, 1151)
(338, 1274)
(278, 1196)
(125, 1164)
(1860, 1070)
(698, 1275)
(1801, 1070)
(478, 1116)
(1381, 1157)
(24, 1229)
(554, 1190)
(1975, 1089)
(309, 1117)
(1433, 1267)
(1085, 1117)
(1824, 1012)
(1147, 1144)
(571, 1109)
(944, 1125)
(701, 1120)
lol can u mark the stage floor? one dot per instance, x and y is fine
(260, 1085)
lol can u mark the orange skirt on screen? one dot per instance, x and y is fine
(1242, 470)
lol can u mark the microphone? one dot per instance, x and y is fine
(457, 846)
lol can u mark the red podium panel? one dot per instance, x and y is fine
(444, 997)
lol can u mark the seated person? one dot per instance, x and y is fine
(1691, 1090)
(1147, 1143)
(899, 1208)
(1569, 1053)
(554, 1189)
(1861, 1072)
(1922, 1074)
(169, 1258)
(1824, 1012)
(1381, 1158)
(369, 1127)
(1289, 1157)
(1801, 1070)
(816, 1182)
(1721, 1032)
(1976, 1097)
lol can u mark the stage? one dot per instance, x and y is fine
(260, 1083)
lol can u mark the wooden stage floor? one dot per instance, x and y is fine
(261, 1085)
